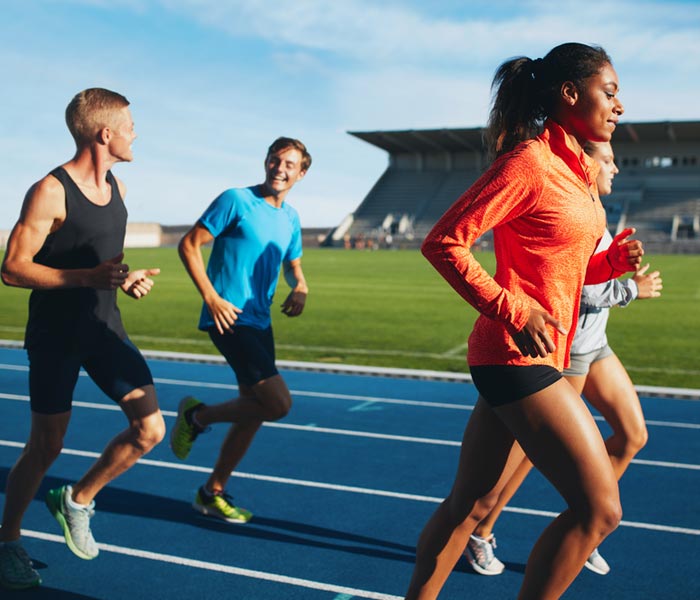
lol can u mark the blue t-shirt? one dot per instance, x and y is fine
(251, 240)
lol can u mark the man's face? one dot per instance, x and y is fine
(282, 170)
(123, 135)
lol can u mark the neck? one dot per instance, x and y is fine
(90, 165)
(275, 200)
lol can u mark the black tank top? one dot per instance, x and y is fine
(89, 235)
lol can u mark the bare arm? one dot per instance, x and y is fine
(190, 249)
(43, 212)
(294, 304)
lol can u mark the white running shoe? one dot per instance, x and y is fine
(479, 553)
(597, 563)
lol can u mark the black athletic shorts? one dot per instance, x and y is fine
(249, 351)
(113, 363)
(503, 384)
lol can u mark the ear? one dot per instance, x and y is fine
(103, 135)
(569, 93)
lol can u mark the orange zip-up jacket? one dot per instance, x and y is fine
(542, 203)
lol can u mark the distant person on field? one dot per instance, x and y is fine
(255, 232)
(67, 246)
(596, 372)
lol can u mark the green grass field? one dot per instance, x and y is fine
(391, 309)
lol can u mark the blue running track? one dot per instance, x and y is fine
(340, 489)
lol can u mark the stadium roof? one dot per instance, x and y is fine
(456, 140)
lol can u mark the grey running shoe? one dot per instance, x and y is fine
(479, 553)
(16, 570)
(597, 563)
(75, 522)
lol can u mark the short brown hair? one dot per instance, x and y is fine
(91, 110)
(282, 143)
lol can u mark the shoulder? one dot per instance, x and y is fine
(522, 168)
(47, 196)
(121, 186)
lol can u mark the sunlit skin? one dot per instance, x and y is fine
(592, 112)
(282, 170)
(603, 154)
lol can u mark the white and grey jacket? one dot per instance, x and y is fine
(596, 301)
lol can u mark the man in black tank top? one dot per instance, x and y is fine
(67, 247)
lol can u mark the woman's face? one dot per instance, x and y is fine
(594, 110)
(602, 153)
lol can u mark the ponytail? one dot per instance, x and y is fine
(526, 91)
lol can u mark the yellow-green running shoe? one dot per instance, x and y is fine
(220, 506)
(16, 569)
(185, 432)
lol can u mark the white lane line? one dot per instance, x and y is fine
(350, 432)
(219, 568)
(346, 488)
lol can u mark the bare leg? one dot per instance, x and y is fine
(42, 449)
(558, 433)
(485, 528)
(488, 458)
(146, 429)
(267, 400)
(610, 390)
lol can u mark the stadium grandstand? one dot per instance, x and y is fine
(657, 190)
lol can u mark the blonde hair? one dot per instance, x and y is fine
(90, 111)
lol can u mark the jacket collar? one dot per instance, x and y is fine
(576, 159)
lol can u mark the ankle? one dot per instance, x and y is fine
(191, 417)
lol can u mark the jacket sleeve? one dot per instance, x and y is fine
(609, 294)
(600, 270)
(503, 193)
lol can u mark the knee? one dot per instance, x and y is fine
(149, 433)
(637, 439)
(46, 450)
(606, 516)
(463, 513)
(279, 408)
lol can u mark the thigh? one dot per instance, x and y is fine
(611, 391)
(117, 366)
(558, 434)
(52, 378)
(488, 457)
(250, 352)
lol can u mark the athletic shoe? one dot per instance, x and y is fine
(597, 563)
(185, 432)
(75, 522)
(479, 553)
(220, 506)
(16, 570)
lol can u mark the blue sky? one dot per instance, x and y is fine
(213, 82)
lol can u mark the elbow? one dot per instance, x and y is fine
(8, 276)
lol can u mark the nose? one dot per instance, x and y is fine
(619, 108)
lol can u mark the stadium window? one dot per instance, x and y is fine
(659, 162)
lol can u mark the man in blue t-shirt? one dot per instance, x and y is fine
(255, 232)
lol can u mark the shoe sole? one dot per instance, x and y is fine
(590, 567)
(54, 503)
(180, 415)
(19, 586)
(217, 515)
(481, 571)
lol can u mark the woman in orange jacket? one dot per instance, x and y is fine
(540, 198)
